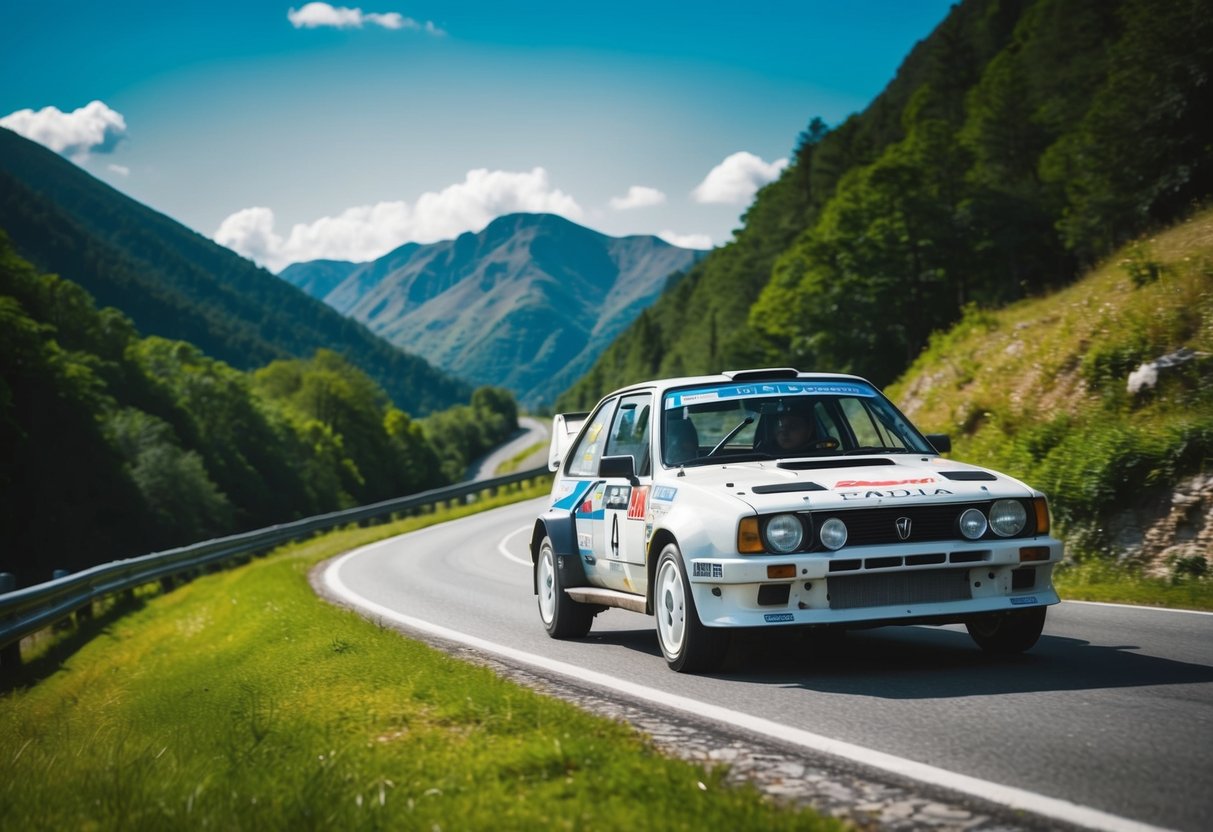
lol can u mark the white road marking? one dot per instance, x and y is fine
(1136, 607)
(1009, 796)
(501, 547)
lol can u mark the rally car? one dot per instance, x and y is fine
(776, 498)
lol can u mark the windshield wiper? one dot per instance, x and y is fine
(749, 420)
(877, 449)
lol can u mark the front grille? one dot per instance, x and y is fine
(848, 592)
(875, 526)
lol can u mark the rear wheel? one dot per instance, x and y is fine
(562, 616)
(1008, 632)
(688, 646)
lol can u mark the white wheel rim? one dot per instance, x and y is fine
(671, 609)
(547, 586)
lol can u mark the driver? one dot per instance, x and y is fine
(794, 431)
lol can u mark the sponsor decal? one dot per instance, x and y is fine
(586, 508)
(776, 617)
(881, 483)
(893, 494)
(638, 505)
(707, 570)
(617, 496)
(595, 430)
(664, 494)
(570, 499)
(797, 388)
(585, 542)
(1027, 599)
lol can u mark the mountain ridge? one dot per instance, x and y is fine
(526, 303)
(174, 282)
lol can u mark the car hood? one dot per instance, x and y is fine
(842, 482)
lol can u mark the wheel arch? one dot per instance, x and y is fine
(560, 528)
(661, 538)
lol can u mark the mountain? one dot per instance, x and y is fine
(526, 304)
(1019, 143)
(173, 282)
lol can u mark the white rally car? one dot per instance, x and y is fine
(775, 498)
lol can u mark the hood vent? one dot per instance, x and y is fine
(818, 464)
(786, 487)
(969, 476)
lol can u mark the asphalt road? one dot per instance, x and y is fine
(530, 432)
(1112, 710)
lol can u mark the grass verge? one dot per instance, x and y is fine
(1098, 580)
(241, 701)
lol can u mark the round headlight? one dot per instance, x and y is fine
(784, 533)
(1007, 517)
(973, 524)
(833, 533)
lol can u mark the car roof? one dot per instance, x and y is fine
(733, 376)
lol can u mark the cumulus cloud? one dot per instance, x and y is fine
(700, 241)
(121, 170)
(735, 180)
(316, 15)
(92, 128)
(368, 231)
(638, 196)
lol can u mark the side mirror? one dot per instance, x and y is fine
(618, 467)
(941, 442)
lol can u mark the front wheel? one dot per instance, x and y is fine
(1009, 632)
(688, 646)
(562, 616)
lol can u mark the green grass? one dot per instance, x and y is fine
(515, 462)
(1097, 580)
(241, 701)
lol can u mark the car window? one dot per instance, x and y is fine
(630, 432)
(784, 420)
(583, 459)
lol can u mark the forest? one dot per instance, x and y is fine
(114, 445)
(1020, 143)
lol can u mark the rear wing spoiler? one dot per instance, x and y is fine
(565, 427)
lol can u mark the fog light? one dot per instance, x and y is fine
(973, 524)
(833, 533)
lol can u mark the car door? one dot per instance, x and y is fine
(625, 504)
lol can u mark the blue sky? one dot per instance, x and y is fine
(293, 131)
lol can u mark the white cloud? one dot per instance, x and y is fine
(121, 170)
(638, 196)
(735, 180)
(93, 127)
(700, 241)
(315, 15)
(368, 231)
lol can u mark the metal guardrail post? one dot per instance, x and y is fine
(10, 654)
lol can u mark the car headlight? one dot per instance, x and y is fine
(833, 533)
(973, 524)
(784, 533)
(1007, 517)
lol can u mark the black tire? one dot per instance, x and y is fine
(562, 617)
(688, 646)
(1005, 633)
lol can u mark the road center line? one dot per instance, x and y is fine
(1009, 796)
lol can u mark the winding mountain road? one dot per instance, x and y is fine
(1107, 723)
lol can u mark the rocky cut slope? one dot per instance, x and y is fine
(1100, 394)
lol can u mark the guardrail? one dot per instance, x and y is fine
(27, 610)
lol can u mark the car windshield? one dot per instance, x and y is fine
(732, 422)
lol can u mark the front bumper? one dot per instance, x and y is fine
(950, 580)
